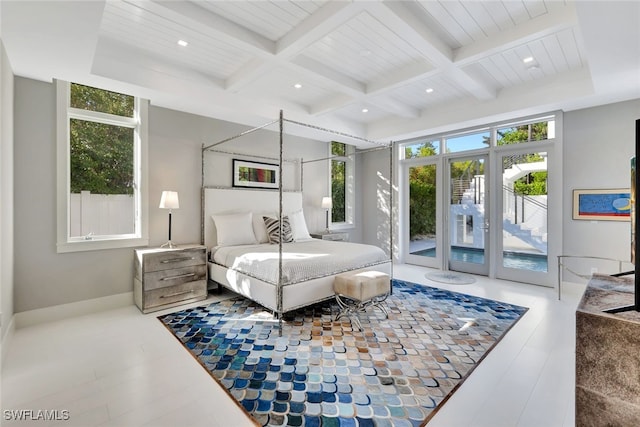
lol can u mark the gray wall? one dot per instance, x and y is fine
(374, 174)
(6, 192)
(598, 143)
(45, 278)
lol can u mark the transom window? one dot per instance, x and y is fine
(527, 132)
(422, 149)
(101, 145)
(524, 131)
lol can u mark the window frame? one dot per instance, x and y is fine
(349, 192)
(139, 122)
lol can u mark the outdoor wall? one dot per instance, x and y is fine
(6, 193)
(45, 278)
(598, 143)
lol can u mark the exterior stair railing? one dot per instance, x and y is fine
(524, 201)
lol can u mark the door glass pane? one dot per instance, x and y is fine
(422, 210)
(466, 211)
(524, 211)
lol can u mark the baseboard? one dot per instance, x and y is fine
(6, 340)
(74, 309)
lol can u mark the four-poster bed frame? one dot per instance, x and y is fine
(317, 288)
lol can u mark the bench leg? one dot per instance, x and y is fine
(350, 307)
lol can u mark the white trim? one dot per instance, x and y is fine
(74, 309)
(553, 146)
(66, 244)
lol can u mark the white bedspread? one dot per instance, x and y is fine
(301, 261)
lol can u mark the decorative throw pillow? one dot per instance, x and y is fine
(273, 229)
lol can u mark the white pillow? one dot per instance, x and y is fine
(259, 228)
(234, 229)
(298, 226)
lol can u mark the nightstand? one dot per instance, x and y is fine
(338, 237)
(169, 277)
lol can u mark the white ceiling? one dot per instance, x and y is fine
(244, 57)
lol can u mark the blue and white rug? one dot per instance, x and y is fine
(321, 372)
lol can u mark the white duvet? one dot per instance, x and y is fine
(300, 261)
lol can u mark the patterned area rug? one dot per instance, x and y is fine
(395, 372)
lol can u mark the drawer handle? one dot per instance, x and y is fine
(179, 277)
(167, 261)
(176, 294)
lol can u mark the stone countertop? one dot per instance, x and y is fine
(606, 292)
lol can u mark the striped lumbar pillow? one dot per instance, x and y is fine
(273, 229)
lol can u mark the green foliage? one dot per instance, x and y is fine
(338, 191)
(534, 184)
(422, 199)
(101, 158)
(104, 101)
(425, 150)
(101, 155)
(525, 133)
(422, 209)
(338, 148)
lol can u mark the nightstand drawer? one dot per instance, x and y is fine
(173, 259)
(168, 277)
(174, 276)
(178, 293)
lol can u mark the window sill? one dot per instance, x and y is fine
(96, 245)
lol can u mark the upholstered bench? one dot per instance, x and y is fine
(355, 292)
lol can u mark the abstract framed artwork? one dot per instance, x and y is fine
(602, 205)
(255, 174)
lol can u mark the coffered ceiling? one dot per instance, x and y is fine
(379, 69)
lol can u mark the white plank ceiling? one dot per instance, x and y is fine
(413, 66)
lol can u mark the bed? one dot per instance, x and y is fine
(245, 258)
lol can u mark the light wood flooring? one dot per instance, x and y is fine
(122, 368)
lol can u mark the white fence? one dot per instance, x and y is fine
(101, 214)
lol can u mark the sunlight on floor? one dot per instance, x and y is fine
(123, 368)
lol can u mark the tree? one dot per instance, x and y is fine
(101, 155)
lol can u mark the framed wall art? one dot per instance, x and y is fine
(255, 174)
(602, 205)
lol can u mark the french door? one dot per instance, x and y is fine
(467, 215)
(485, 214)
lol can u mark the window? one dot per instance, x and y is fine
(528, 132)
(101, 169)
(472, 141)
(341, 184)
(422, 149)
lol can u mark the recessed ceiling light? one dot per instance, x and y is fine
(183, 43)
(297, 85)
(528, 59)
(365, 110)
(429, 90)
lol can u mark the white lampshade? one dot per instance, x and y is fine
(169, 200)
(326, 203)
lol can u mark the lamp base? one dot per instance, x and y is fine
(169, 245)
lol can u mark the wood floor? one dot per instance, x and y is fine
(122, 368)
